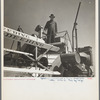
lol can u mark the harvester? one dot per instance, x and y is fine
(36, 58)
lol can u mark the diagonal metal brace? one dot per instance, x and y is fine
(38, 63)
(43, 54)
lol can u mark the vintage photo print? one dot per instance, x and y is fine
(49, 50)
(49, 38)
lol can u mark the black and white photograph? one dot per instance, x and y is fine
(49, 38)
(49, 50)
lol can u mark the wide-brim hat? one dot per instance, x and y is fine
(52, 15)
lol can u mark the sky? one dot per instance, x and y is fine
(30, 13)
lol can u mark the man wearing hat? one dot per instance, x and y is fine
(51, 27)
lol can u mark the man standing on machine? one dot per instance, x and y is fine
(51, 27)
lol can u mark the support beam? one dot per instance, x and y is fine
(30, 71)
(19, 52)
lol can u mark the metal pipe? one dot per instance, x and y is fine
(75, 26)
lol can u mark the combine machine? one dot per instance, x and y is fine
(36, 58)
(39, 59)
(29, 59)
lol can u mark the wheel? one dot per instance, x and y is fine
(44, 61)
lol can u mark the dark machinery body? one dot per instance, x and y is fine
(20, 60)
(76, 65)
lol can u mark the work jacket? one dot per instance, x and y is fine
(51, 27)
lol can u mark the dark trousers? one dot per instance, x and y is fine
(51, 38)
